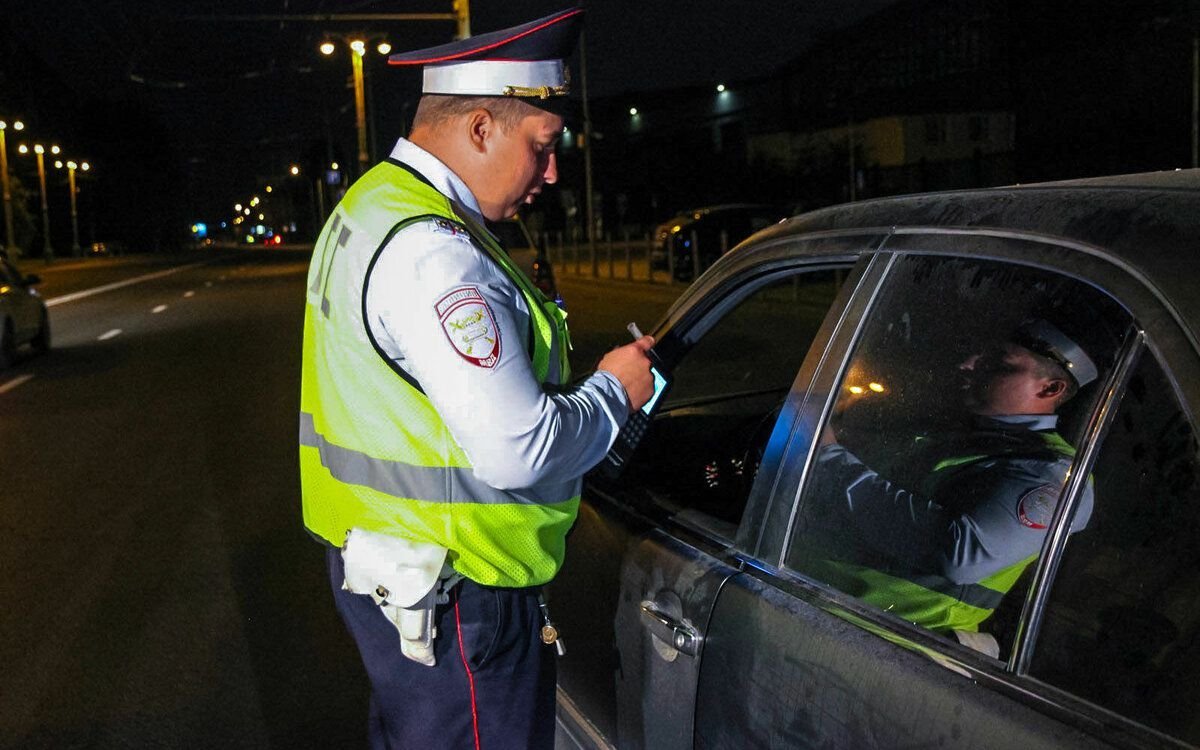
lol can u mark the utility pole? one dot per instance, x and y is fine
(587, 146)
(357, 51)
(9, 238)
(1195, 98)
(47, 250)
(462, 16)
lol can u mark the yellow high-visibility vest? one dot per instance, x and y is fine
(374, 453)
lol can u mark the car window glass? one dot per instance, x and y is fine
(704, 445)
(1122, 623)
(951, 435)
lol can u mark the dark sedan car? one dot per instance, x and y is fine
(726, 587)
(696, 238)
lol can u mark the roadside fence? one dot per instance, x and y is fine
(625, 257)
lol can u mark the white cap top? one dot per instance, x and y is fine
(494, 77)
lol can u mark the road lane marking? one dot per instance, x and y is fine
(6, 387)
(109, 334)
(159, 309)
(188, 293)
(118, 284)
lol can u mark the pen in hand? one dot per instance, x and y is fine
(634, 331)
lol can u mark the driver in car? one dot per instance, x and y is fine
(943, 550)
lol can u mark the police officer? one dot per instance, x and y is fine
(943, 547)
(441, 447)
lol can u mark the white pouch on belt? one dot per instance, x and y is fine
(402, 577)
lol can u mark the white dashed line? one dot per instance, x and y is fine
(109, 334)
(188, 293)
(6, 387)
(117, 285)
(159, 309)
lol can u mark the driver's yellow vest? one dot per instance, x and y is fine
(374, 453)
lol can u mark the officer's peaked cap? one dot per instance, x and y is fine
(1047, 339)
(524, 61)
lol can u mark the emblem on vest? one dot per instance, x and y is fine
(468, 323)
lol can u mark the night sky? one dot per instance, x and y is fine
(209, 105)
(185, 110)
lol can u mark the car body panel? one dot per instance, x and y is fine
(787, 661)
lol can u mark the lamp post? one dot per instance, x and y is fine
(9, 235)
(40, 151)
(358, 50)
(71, 167)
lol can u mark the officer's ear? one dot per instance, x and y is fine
(1053, 389)
(480, 126)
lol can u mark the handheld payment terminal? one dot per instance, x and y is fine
(635, 427)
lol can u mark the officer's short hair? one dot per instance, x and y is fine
(508, 111)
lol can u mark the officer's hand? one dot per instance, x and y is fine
(630, 365)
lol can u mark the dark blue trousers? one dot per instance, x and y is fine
(492, 687)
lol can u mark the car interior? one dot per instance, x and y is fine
(706, 440)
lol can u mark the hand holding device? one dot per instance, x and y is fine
(639, 420)
(630, 365)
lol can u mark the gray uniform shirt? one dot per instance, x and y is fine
(966, 525)
(516, 433)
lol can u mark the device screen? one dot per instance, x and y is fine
(660, 383)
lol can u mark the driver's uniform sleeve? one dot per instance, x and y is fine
(1001, 518)
(516, 433)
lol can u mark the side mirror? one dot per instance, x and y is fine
(32, 279)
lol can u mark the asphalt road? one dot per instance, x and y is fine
(159, 588)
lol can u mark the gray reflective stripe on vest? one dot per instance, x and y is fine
(436, 484)
(967, 593)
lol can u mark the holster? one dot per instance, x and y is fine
(406, 579)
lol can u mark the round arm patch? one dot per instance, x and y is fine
(1036, 507)
(468, 323)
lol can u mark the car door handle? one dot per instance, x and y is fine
(681, 637)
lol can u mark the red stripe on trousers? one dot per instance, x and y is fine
(470, 677)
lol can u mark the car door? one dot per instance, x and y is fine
(795, 658)
(652, 547)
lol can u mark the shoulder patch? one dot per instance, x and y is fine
(468, 323)
(1036, 507)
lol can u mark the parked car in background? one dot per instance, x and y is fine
(697, 601)
(23, 315)
(713, 229)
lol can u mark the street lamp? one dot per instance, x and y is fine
(40, 150)
(10, 238)
(358, 48)
(71, 167)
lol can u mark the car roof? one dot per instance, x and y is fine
(1150, 222)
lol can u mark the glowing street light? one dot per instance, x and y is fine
(294, 170)
(10, 241)
(359, 47)
(40, 150)
(71, 167)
